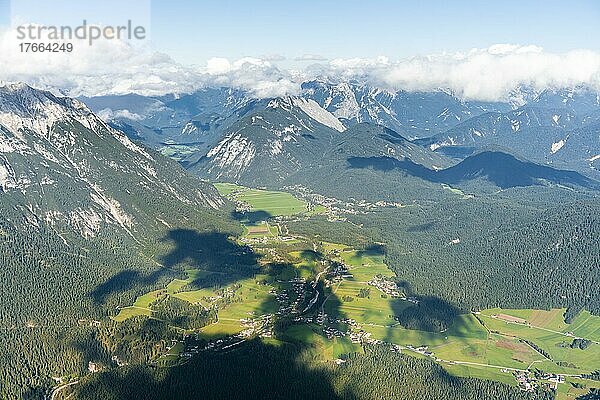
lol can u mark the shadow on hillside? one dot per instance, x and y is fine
(210, 251)
(372, 250)
(250, 217)
(256, 369)
(501, 169)
(253, 371)
(428, 226)
(424, 313)
(190, 249)
(311, 255)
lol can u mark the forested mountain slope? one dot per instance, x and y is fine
(84, 214)
(258, 370)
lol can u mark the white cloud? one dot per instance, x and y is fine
(310, 57)
(107, 115)
(216, 66)
(119, 67)
(483, 74)
(106, 67)
(273, 57)
(256, 75)
(116, 67)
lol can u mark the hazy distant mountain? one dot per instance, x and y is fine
(418, 114)
(174, 125)
(559, 128)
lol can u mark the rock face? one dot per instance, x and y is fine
(62, 165)
(271, 143)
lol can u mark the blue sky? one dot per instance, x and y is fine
(192, 44)
(4, 12)
(195, 31)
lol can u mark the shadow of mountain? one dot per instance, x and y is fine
(310, 255)
(287, 367)
(253, 371)
(120, 282)
(430, 314)
(501, 169)
(431, 317)
(209, 251)
(257, 369)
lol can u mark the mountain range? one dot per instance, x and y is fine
(105, 199)
(559, 128)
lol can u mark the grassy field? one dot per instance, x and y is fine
(495, 351)
(271, 202)
(129, 312)
(550, 336)
(372, 309)
(343, 347)
(467, 340)
(195, 296)
(252, 300)
(141, 306)
(364, 265)
(306, 265)
(260, 229)
(349, 299)
(476, 371)
(585, 325)
(467, 326)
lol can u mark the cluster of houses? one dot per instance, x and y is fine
(286, 306)
(525, 380)
(529, 382)
(379, 204)
(388, 287)
(331, 332)
(424, 350)
(337, 272)
(224, 343)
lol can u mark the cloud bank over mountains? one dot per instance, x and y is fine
(118, 67)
